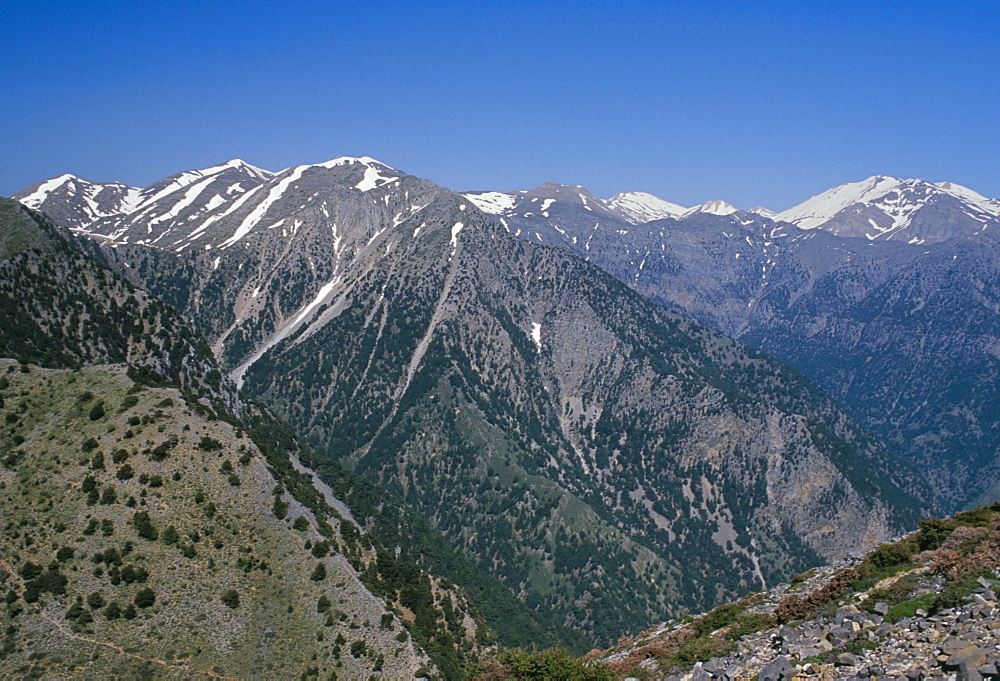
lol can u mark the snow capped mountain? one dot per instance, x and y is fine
(764, 212)
(716, 207)
(76, 202)
(639, 207)
(406, 332)
(633, 208)
(215, 207)
(884, 208)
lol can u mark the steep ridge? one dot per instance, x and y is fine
(116, 211)
(407, 335)
(63, 307)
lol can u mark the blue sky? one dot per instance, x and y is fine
(753, 102)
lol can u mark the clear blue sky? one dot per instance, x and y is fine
(753, 102)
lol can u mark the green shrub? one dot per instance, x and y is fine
(231, 598)
(144, 526)
(209, 444)
(145, 598)
(903, 609)
(547, 664)
(170, 536)
(959, 588)
(890, 555)
(96, 412)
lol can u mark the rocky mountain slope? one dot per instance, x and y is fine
(569, 437)
(924, 606)
(905, 336)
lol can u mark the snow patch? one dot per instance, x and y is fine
(35, 198)
(536, 334)
(373, 178)
(494, 203)
(716, 207)
(261, 209)
(456, 228)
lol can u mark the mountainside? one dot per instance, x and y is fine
(569, 437)
(905, 336)
(63, 307)
(143, 536)
(115, 210)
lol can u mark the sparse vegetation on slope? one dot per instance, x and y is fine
(173, 564)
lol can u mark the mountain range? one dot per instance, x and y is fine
(884, 292)
(573, 439)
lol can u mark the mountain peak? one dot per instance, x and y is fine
(348, 160)
(639, 207)
(714, 207)
(885, 207)
(764, 212)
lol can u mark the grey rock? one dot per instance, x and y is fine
(779, 669)
(847, 660)
(699, 673)
(882, 607)
(803, 652)
(970, 657)
(839, 634)
(789, 634)
(733, 673)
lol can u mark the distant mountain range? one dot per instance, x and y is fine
(575, 440)
(884, 292)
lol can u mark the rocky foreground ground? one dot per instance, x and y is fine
(920, 608)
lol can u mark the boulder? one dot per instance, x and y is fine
(779, 669)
